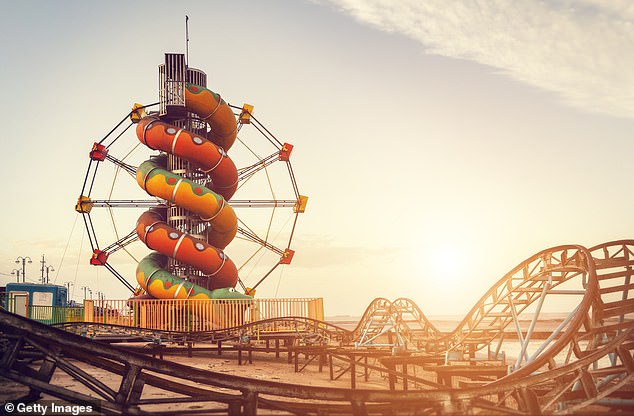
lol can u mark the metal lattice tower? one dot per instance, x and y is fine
(173, 75)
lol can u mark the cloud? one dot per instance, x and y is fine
(315, 251)
(582, 50)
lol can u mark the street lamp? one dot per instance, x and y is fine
(48, 268)
(86, 289)
(16, 271)
(23, 260)
(68, 285)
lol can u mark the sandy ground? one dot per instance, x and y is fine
(265, 366)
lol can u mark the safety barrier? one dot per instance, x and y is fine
(46, 314)
(198, 314)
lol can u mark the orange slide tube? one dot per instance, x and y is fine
(209, 203)
(205, 155)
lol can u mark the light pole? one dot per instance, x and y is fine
(68, 285)
(48, 268)
(43, 262)
(23, 260)
(86, 289)
(16, 271)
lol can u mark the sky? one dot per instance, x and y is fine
(440, 144)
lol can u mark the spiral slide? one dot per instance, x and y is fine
(210, 204)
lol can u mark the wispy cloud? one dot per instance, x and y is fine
(317, 251)
(582, 50)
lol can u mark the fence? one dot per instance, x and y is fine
(198, 315)
(176, 314)
(46, 314)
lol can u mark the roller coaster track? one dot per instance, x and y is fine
(585, 364)
(401, 321)
(311, 330)
(559, 271)
(499, 308)
(598, 280)
(602, 378)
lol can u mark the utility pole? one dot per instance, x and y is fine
(68, 285)
(43, 262)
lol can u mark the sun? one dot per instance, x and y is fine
(446, 263)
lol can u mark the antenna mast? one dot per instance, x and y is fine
(186, 40)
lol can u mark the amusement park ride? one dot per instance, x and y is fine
(496, 361)
(190, 221)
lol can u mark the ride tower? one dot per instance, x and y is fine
(174, 73)
(189, 217)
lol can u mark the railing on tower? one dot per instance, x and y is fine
(173, 75)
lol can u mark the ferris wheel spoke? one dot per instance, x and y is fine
(263, 203)
(119, 277)
(251, 236)
(122, 242)
(248, 171)
(128, 168)
(125, 203)
(266, 275)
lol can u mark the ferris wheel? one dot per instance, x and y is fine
(200, 199)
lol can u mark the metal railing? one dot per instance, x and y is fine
(46, 314)
(198, 315)
(177, 314)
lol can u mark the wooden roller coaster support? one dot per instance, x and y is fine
(527, 285)
(399, 325)
(354, 362)
(615, 272)
(601, 375)
(239, 395)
